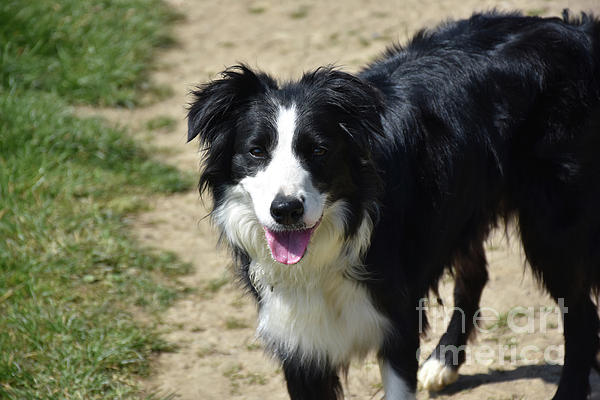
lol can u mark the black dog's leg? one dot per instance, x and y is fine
(560, 241)
(581, 344)
(441, 368)
(398, 358)
(311, 381)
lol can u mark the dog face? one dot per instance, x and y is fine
(293, 151)
(283, 190)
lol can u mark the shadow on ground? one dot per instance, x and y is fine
(548, 373)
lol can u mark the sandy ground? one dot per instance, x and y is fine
(213, 328)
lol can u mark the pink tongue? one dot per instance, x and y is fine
(288, 247)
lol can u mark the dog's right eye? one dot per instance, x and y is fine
(258, 152)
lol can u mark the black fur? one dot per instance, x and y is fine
(473, 122)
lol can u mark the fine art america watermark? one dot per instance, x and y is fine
(517, 321)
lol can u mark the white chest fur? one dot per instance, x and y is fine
(311, 308)
(333, 320)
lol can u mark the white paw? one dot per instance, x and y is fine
(434, 376)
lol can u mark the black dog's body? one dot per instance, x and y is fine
(493, 116)
(478, 120)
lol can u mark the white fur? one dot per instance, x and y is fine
(435, 375)
(395, 386)
(284, 175)
(316, 308)
(312, 308)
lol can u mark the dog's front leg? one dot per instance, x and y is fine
(399, 364)
(395, 384)
(311, 381)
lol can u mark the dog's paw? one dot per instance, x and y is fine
(434, 375)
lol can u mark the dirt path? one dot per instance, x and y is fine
(217, 356)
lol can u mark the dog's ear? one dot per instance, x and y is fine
(357, 101)
(213, 114)
(215, 103)
(358, 107)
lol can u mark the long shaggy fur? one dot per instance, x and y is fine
(418, 157)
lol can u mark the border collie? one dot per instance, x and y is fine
(345, 197)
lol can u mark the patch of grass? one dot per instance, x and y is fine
(227, 44)
(234, 373)
(536, 12)
(162, 122)
(499, 324)
(511, 341)
(364, 41)
(236, 376)
(254, 378)
(214, 285)
(257, 9)
(70, 275)
(209, 350)
(151, 93)
(206, 351)
(300, 13)
(253, 346)
(238, 303)
(334, 38)
(234, 323)
(86, 51)
(68, 271)
(551, 325)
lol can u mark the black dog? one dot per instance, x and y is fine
(344, 198)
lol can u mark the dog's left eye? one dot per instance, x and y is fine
(319, 151)
(258, 152)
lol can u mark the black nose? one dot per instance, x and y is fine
(287, 210)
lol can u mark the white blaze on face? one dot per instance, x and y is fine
(284, 175)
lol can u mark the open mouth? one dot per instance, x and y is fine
(288, 247)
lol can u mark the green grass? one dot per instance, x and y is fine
(300, 13)
(256, 9)
(238, 377)
(69, 273)
(91, 51)
(235, 323)
(214, 285)
(70, 276)
(536, 12)
(162, 122)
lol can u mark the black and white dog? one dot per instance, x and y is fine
(344, 197)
